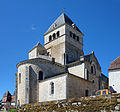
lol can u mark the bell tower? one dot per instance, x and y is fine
(64, 41)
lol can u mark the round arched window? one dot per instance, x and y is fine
(51, 88)
(54, 36)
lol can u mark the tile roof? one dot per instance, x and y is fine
(9, 106)
(13, 98)
(6, 97)
(62, 19)
(115, 64)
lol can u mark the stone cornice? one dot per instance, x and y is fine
(37, 60)
(63, 25)
(74, 63)
(61, 36)
(54, 29)
(54, 77)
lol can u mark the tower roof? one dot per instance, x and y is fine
(115, 64)
(62, 19)
(38, 45)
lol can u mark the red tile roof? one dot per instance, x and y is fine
(115, 64)
(6, 97)
(13, 98)
(9, 106)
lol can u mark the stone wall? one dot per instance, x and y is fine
(95, 76)
(77, 70)
(76, 87)
(64, 44)
(29, 91)
(21, 86)
(72, 51)
(16, 88)
(59, 88)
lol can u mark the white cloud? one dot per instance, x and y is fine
(34, 27)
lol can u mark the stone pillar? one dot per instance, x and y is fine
(16, 88)
(27, 85)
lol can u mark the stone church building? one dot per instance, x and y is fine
(59, 69)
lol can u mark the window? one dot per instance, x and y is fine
(40, 76)
(51, 88)
(74, 36)
(48, 53)
(77, 38)
(98, 93)
(86, 92)
(54, 36)
(70, 34)
(19, 78)
(58, 34)
(104, 92)
(87, 75)
(91, 69)
(50, 38)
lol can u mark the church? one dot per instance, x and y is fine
(58, 70)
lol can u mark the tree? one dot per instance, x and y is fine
(0, 104)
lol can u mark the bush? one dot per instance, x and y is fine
(13, 110)
(86, 104)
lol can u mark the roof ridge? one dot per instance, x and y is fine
(115, 60)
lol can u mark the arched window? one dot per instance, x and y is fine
(74, 36)
(91, 69)
(19, 78)
(86, 92)
(50, 38)
(87, 75)
(54, 36)
(51, 88)
(77, 38)
(48, 53)
(40, 76)
(71, 34)
(58, 33)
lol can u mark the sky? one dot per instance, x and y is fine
(23, 23)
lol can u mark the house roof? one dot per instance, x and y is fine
(6, 97)
(13, 98)
(115, 64)
(9, 106)
(62, 19)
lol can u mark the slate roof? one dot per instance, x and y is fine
(62, 19)
(38, 45)
(115, 64)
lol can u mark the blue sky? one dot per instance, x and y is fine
(23, 23)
